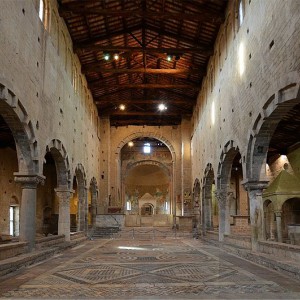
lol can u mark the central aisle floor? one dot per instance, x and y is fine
(148, 269)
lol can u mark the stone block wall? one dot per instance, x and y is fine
(40, 68)
(251, 62)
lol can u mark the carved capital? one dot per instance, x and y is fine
(221, 196)
(29, 181)
(255, 185)
(278, 214)
(64, 195)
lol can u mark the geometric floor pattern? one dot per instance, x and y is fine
(159, 269)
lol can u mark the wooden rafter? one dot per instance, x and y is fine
(144, 101)
(145, 85)
(68, 10)
(82, 48)
(95, 68)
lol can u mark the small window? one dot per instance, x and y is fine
(42, 10)
(241, 12)
(147, 148)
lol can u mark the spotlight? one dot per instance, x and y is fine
(169, 57)
(122, 107)
(131, 144)
(106, 56)
(116, 56)
(162, 107)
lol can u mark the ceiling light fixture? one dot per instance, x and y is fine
(169, 57)
(162, 107)
(106, 56)
(122, 107)
(116, 56)
(131, 144)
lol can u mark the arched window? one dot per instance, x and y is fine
(42, 10)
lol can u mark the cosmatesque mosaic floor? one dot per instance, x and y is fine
(148, 269)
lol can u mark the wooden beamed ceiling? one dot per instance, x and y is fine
(143, 33)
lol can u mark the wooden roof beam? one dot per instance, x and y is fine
(144, 101)
(95, 68)
(69, 10)
(142, 113)
(144, 85)
(82, 48)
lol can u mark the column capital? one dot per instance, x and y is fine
(63, 190)
(29, 181)
(251, 185)
(278, 213)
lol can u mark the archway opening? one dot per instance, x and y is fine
(48, 203)
(74, 207)
(9, 190)
(146, 168)
(210, 211)
(291, 221)
(269, 221)
(238, 199)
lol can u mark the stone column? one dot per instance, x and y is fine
(64, 196)
(85, 210)
(81, 208)
(221, 195)
(278, 215)
(28, 206)
(255, 190)
(94, 207)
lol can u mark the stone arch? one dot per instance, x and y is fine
(94, 196)
(60, 156)
(146, 134)
(15, 115)
(207, 197)
(227, 157)
(280, 102)
(149, 162)
(269, 229)
(80, 175)
(196, 202)
(94, 185)
(82, 208)
(228, 153)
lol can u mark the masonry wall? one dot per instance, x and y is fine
(38, 65)
(169, 135)
(10, 192)
(248, 66)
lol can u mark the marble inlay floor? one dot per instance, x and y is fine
(160, 269)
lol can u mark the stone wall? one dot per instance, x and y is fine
(41, 85)
(171, 136)
(251, 62)
(39, 67)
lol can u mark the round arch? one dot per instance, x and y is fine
(285, 97)
(146, 134)
(15, 115)
(207, 199)
(81, 196)
(94, 195)
(60, 156)
(148, 162)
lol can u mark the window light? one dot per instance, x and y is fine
(147, 148)
(41, 10)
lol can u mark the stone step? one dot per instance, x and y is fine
(12, 264)
(105, 232)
